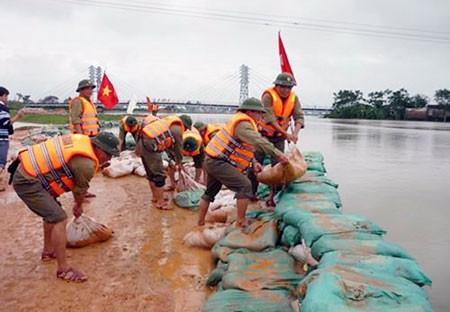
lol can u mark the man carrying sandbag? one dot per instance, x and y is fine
(229, 155)
(47, 170)
(165, 134)
(281, 105)
(128, 124)
(193, 146)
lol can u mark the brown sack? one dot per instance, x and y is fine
(281, 175)
(84, 231)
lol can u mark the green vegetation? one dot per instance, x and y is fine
(385, 104)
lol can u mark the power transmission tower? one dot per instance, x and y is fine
(98, 74)
(91, 73)
(243, 95)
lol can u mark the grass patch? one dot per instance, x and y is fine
(59, 120)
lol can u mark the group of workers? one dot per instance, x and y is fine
(224, 154)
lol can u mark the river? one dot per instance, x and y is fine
(397, 174)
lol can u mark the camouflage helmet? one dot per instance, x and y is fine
(200, 126)
(187, 121)
(85, 83)
(131, 121)
(190, 144)
(285, 79)
(252, 104)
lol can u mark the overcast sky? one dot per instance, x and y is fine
(152, 47)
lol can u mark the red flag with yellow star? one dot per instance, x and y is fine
(106, 93)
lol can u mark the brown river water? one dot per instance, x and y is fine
(396, 173)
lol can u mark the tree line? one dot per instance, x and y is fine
(385, 104)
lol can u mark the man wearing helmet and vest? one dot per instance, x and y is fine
(281, 105)
(62, 164)
(207, 131)
(82, 112)
(128, 124)
(193, 146)
(229, 155)
(165, 134)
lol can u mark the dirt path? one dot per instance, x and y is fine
(145, 267)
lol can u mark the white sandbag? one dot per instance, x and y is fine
(205, 236)
(84, 231)
(187, 183)
(140, 171)
(119, 168)
(283, 174)
(222, 199)
(225, 214)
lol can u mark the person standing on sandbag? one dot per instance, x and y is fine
(47, 170)
(83, 116)
(165, 134)
(128, 124)
(281, 105)
(229, 155)
(193, 146)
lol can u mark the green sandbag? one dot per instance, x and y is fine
(290, 203)
(317, 225)
(221, 252)
(216, 275)
(274, 269)
(339, 289)
(314, 156)
(313, 191)
(259, 235)
(316, 179)
(263, 191)
(189, 199)
(365, 243)
(377, 264)
(290, 236)
(233, 300)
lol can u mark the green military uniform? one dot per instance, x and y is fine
(32, 192)
(152, 159)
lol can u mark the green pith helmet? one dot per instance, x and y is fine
(131, 121)
(252, 104)
(190, 144)
(285, 79)
(200, 126)
(107, 142)
(187, 121)
(85, 83)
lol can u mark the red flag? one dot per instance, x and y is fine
(149, 104)
(284, 62)
(106, 93)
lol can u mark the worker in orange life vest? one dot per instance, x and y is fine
(282, 105)
(128, 124)
(83, 116)
(46, 170)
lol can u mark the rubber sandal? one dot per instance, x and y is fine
(164, 206)
(48, 256)
(89, 195)
(71, 275)
(270, 203)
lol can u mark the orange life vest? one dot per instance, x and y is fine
(155, 107)
(49, 161)
(159, 130)
(148, 120)
(89, 119)
(210, 132)
(197, 137)
(225, 146)
(127, 128)
(281, 109)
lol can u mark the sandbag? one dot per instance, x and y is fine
(233, 300)
(188, 199)
(205, 236)
(339, 289)
(84, 231)
(377, 264)
(225, 214)
(273, 269)
(283, 174)
(290, 236)
(187, 183)
(119, 168)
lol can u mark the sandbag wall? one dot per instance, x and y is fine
(358, 270)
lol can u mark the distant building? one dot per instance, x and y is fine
(431, 112)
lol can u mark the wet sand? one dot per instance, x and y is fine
(144, 267)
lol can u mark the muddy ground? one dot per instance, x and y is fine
(144, 267)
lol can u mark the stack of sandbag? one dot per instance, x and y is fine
(205, 236)
(283, 174)
(83, 231)
(127, 163)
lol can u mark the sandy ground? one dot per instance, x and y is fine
(144, 267)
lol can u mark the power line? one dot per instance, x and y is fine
(352, 28)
